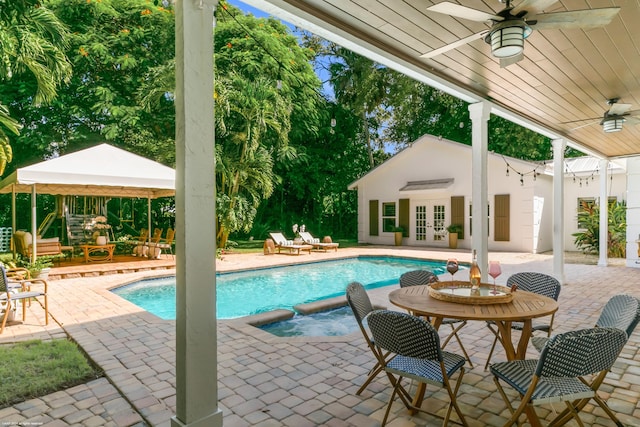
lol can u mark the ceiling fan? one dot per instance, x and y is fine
(513, 24)
(613, 118)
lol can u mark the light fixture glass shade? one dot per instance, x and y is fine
(507, 41)
(612, 125)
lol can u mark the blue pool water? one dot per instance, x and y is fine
(257, 291)
(331, 323)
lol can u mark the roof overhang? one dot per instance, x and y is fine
(430, 184)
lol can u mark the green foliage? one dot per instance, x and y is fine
(588, 241)
(35, 368)
(112, 45)
(36, 266)
(32, 42)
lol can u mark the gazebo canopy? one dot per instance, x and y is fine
(102, 170)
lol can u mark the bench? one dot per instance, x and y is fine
(23, 242)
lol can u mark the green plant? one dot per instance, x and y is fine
(37, 266)
(397, 229)
(454, 228)
(588, 240)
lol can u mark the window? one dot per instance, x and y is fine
(388, 217)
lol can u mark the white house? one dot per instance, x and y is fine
(427, 186)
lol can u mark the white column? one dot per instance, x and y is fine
(633, 212)
(34, 224)
(196, 336)
(604, 214)
(559, 146)
(479, 113)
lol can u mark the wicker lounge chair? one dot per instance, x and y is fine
(316, 243)
(281, 242)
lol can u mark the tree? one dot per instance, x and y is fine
(112, 45)
(32, 42)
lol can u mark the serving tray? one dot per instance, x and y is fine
(461, 292)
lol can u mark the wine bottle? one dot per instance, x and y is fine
(474, 272)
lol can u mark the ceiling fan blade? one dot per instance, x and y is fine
(634, 113)
(585, 125)
(580, 120)
(584, 19)
(454, 45)
(505, 62)
(618, 109)
(464, 12)
(533, 6)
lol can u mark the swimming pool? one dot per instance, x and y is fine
(251, 292)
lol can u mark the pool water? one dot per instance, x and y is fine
(252, 292)
(336, 322)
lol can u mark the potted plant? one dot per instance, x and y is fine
(40, 268)
(398, 235)
(453, 230)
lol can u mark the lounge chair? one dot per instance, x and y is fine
(316, 243)
(23, 242)
(281, 242)
(167, 242)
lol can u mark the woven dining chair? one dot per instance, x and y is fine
(424, 277)
(361, 306)
(621, 312)
(557, 375)
(539, 283)
(415, 344)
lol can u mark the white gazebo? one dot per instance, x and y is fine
(102, 170)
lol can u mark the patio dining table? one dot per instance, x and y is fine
(524, 307)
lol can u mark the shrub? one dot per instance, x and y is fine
(588, 241)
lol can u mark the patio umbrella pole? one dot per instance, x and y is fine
(34, 225)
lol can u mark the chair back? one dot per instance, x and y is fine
(405, 335)
(170, 236)
(538, 283)
(307, 237)
(278, 238)
(157, 235)
(358, 301)
(621, 312)
(579, 353)
(416, 278)
(143, 235)
(3, 279)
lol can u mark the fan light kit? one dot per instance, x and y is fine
(513, 24)
(613, 124)
(613, 118)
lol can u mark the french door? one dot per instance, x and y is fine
(430, 221)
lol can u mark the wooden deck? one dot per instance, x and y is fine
(76, 267)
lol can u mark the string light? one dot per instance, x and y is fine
(521, 175)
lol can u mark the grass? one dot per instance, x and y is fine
(35, 368)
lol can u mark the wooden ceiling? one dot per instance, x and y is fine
(565, 76)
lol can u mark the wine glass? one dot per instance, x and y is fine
(494, 271)
(452, 268)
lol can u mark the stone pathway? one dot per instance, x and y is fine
(269, 381)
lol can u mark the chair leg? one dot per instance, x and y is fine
(393, 394)
(372, 374)
(6, 315)
(493, 347)
(453, 403)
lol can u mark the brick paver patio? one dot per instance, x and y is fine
(269, 381)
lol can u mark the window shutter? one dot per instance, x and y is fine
(502, 218)
(403, 216)
(374, 223)
(457, 213)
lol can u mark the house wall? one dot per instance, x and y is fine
(633, 211)
(541, 220)
(617, 187)
(429, 158)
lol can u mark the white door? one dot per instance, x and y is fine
(431, 218)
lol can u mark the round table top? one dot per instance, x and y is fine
(525, 305)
